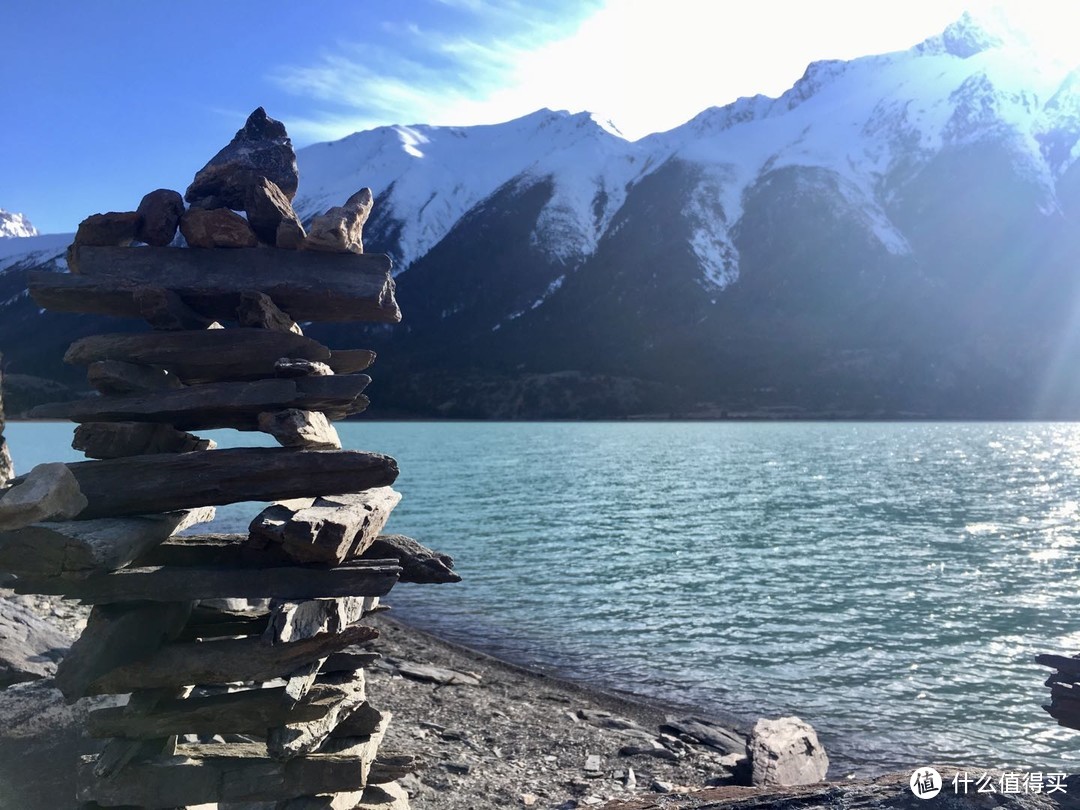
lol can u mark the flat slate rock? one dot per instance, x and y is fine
(418, 563)
(142, 485)
(30, 647)
(707, 733)
(207, 774)
(250, 711)
(166, 584)
(307, 285)
(225, 661)
(331, 529)
(200, 356)
(85, 546)
(217, 405)
(428, 673)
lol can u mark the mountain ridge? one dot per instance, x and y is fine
(894, 235)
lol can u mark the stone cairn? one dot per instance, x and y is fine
(243, 654)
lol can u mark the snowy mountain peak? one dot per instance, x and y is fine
(15, 225)
(427, 178)
(971, 35)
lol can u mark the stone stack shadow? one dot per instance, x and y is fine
(244, 654)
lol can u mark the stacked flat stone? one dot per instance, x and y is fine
(243, 653)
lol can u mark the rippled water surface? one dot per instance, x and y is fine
(889, 583)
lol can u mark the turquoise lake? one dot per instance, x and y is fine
(888, 583)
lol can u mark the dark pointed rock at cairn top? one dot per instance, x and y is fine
(160, 210)
(261, 149)
(341, 229)
(271, 215)
(216, 228)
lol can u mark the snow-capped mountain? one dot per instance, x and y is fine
(894, 234)
(12, 224)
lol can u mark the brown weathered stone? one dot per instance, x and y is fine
(259, 310)
(261, 149)
(341, 229)
(160, 210)
(111, 229)
(268, 209)
(293, 427)
(216, 228)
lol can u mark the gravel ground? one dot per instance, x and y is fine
(502, 736)
(522, 739)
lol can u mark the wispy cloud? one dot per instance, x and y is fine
(429, 74)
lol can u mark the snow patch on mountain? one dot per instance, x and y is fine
(868, 122)
(710, 239)
(33, 250)
(14, 225)
(430, 177)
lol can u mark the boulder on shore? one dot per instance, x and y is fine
(785, 752)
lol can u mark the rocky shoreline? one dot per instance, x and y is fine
(488, 734)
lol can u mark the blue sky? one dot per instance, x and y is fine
(104, 101)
